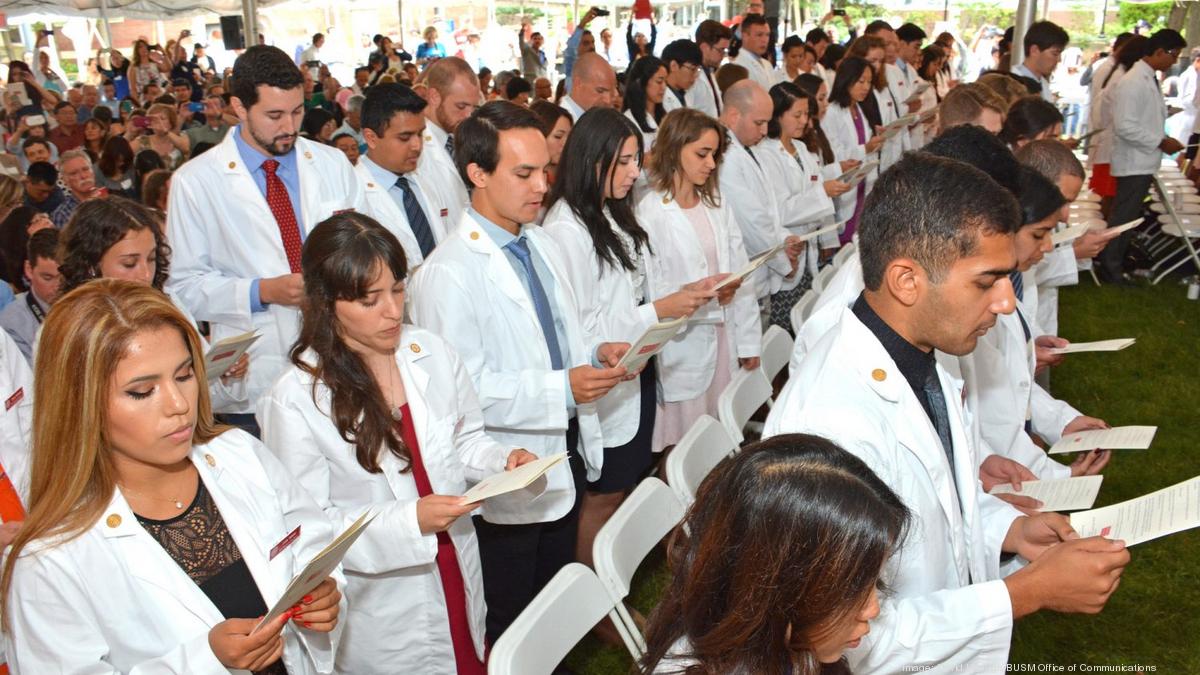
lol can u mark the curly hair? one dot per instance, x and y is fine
(96, 226)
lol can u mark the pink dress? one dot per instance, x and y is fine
(675, 418)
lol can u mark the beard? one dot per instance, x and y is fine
(278, 146)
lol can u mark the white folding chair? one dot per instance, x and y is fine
(1175, 225)
(776, 351)
(823, 277)
(562, 613)
(745, 393)
(843, 254)
(802, 309)
(701, 448)
(646, 516)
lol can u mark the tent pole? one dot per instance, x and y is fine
(250, 22)
(104, 27)
(1026, 11)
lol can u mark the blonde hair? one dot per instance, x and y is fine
(83, 340)
(168, 110)
(1009, 89)
(860, 47)
(11, 192)
(966, 102)
(679, 128)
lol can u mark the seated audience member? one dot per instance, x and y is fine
(15, 230)
(348, 146)
(41, 188)
(24, 315)
(130, 466)
(75, 167)
(780, 569)
(116, 167)
(355, 420)
(972, 104)
(34, 150)
(876, 382)
(95, 134)
(162, 136)
(117, 238)
(518, 90)
(143, 163)
(318, 125)
(68, 135)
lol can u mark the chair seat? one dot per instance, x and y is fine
(1159, 207)
(1191, 226)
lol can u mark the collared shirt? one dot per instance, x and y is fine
(502, 238)
(356, 135)
(18, 320)
(50, 204)
(1022, 69)
(915, 365)
(572, 107)
(288, 172)
(63, 213)
(385, 177)
(204, 133)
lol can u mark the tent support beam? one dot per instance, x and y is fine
(250, 22)
(1025, 16)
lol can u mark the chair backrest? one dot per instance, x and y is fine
(776, 350)
(823, 278)
(802, 310)
(646, 516)
(695, 455)
(844, 253)
(745, 393)
(562, 613)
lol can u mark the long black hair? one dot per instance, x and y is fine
(636, 79)
(1028, 117)
(591, 152)
(1129, 53)
(1039, 197)
(849, 70)
(343, 256)
(816, 141)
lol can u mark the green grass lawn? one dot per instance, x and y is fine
(1154, 617)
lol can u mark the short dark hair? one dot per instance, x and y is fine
(792, 42)
(517, 86)
(318, 36)
(849, 70)
(29, 141)
(1166, 40)
(1046, 34)
(932, 210)
(102, 113)
(1051, 159)
(910, 32)
(682, 52)
(876, 26)
(362, 69)
(477, 139)
(710, 32)
(266, 66)
(63, 104)
(1039, 197)
(816, 36)
(981, 149)
(42, 244)
(180, 82)
(751, 20)
(42, 172)
(1028, 117)
(383, 101)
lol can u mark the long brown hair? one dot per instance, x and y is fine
(343, 256)
(680, 127)
(788, 538)
(84, 338)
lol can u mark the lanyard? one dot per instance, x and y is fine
(38, 312)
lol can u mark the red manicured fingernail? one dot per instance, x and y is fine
(306, 599)
(306, 624)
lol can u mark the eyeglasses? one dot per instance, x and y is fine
(691, 67)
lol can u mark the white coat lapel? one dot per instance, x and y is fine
(310, 187)
(243, 191)
(498, 268)
(150, 564)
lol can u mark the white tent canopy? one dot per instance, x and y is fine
(134, 9)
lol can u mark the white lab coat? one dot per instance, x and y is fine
(381, 207)
(469, 293)
(16, 421)
(1048, 414)
(951, 611)
(1095, 91)
(1138, 113)
(1181, 123)
(113, 600)
(843, 139)
(647, 136)
(671, 99)
(704, 94)
(759, 68)
(221, 397)
(687, 363)
(398, 621)
(742, 179)
(892, 148)
(799, 190)
(223, 236)
(1101, 151)
(1003, 364)
(609, 310)
(437, 168)
(1058, 268)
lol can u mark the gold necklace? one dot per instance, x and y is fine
(393, 372)
(176, 501)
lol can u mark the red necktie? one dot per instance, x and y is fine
(281, 208)
(10, 502)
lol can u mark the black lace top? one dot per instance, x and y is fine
(199, 542)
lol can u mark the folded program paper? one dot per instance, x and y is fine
(1063, 494)
(1098, 346)
(1151, 516)
(510, 481)
(1116, 438)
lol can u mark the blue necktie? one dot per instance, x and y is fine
(541, 304)
(450, 146)
(416, 218)
(1018, 284)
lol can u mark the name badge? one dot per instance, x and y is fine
(16, 398)
(284, 543)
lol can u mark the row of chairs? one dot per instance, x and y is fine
(579, 597)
